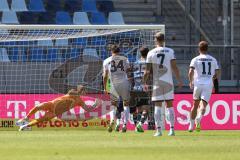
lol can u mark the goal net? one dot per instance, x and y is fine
(40, 62)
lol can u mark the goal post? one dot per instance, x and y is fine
(40, 62)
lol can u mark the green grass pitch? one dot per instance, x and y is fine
(98, 145)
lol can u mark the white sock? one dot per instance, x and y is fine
(199, 117)
(112, 115)
(171, 116)
(118, 122)
(157, 117)
(126, 115)
(191, 124)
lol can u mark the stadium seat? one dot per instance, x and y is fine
(36, 6)
(38, 55)
(98, 18)
(97, 41)
(79, 41)
(63, 18)
(4, 56)
(17, 54)
(80, 18)
(4, 5)
(115, 18)
(74, 52)
(89, 6)
(18, 6)
(61, 42)
(90, 51)
(9, 17)
(52, 55)
(45, 43)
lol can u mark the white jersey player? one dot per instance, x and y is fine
(203, 69)
(115, 68)
(162, 62)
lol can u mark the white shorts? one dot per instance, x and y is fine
(120, 90)
(162, 91)
(202, 92)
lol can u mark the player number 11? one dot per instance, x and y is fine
(204, 68)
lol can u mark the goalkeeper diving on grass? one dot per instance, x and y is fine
(57, 107)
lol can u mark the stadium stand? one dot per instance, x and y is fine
(45, 43)
(80, 18)
(105, 6)
(98, 18)
(9, 17)
(18, 6)
(73, 5)
(4, 5)
(115, 18)
(89, 6)
(36, 6)
(61, 42)
(4, 56)
(63, 18)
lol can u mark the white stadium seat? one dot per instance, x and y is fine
(9, 17)
(80, 18)
(18, 5)
(4, 5)
(115, 18)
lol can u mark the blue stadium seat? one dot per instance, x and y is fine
(97, 41)
(131, 58)
(115, 18)
(4, 56)
(98, 18)
(63, 18)
(9, 17)
(79, 41)
(52, 55)
(38, 55)
(80, 18)
(36, 6)
(75, 52)
(18, 6)
(4, 5)
(89, 6)
(17, 54)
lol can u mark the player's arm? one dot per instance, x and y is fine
(87, 107)
(73, 92)
(190, 77)
(105, 79)
(176, 72)
(146, 75)
(217, 74)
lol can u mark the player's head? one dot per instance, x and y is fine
(144, 51)
(115, 49)
(203, 47)
(159, 38)
(81, 89)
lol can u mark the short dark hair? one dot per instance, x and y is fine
(144, 51)
(115, 48)
(159, 36)
(203, 46)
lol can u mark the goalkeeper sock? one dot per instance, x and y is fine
(126, 114)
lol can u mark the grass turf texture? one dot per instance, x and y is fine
(96, 145)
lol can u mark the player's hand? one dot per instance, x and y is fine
(145, 87)
(191, 85)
